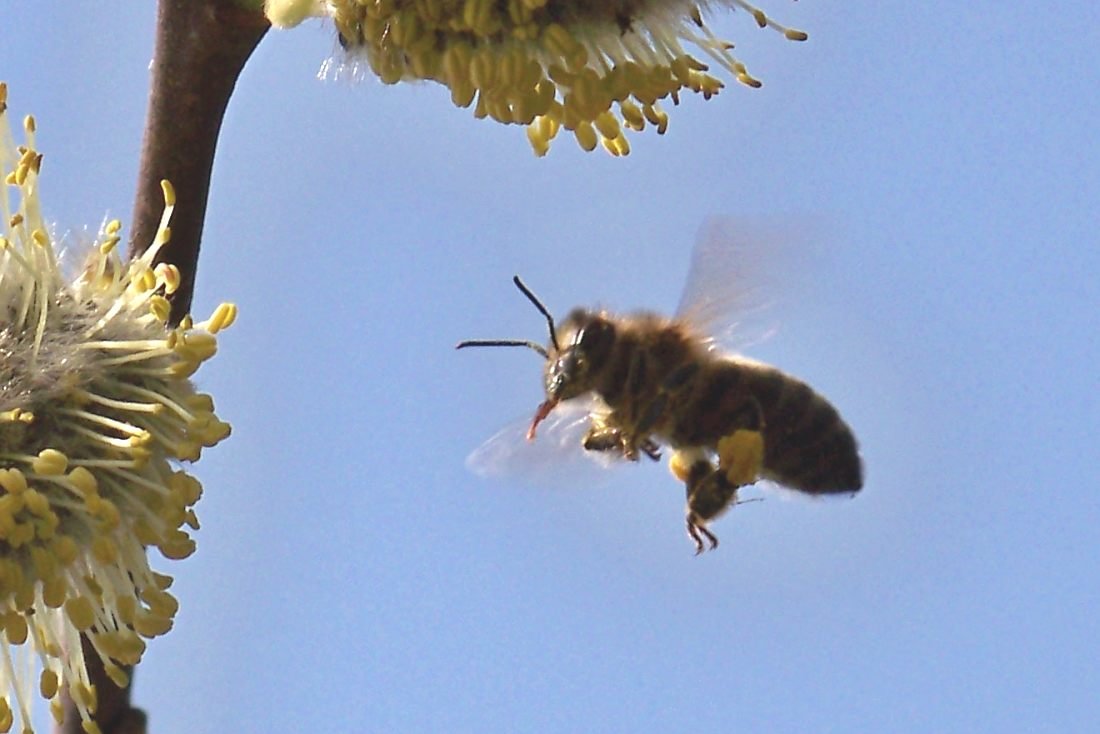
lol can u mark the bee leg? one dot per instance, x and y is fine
(695, 529)
(603, 438)
(741, 457)
(607, 439)
(708, 493)
(741, 453)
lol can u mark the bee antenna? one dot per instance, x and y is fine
(503, 343)
(542, 309)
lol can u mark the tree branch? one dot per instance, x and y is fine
(201, 47)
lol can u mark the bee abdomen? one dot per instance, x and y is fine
(807, 445)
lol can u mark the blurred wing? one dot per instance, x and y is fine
(556, 456)
(726, 295)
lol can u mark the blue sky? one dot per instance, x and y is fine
(940, 162)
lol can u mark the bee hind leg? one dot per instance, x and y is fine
(741, 456)
(695, 528)
(709, 493)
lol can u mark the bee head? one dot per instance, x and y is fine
(570, 362)
(586, 339)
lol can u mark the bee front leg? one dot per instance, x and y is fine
(604, 438)
(605, 435)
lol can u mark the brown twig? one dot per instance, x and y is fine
(201, 48)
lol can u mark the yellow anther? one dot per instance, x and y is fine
(23, 599)
(145, 533)
(617, 146)
(559, 40)
(7, 717)
(160, 308)
(13, 481)
(80, 612)
(83, 480)
(177, 545)
(104, 550)
(54, 592)
(200, 402)
(483, 68)
(117, 675)
(586, 136)
(632, 115)
(37, 504)
(197, 346)
(109, 517)
(86, 694)
(169, 276)
(50, 462)
(748, 81)
(48, 684)
(127, 609)
(161, 602)
(169, 192)
(65, 549)
(608, 125)
(793, 35)
(185, 487)
(15, 628)
(223, 317)
(681, 68)
(462, 94)
(152, 625)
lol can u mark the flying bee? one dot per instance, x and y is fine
(661, 382)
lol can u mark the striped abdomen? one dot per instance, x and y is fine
(807, 445)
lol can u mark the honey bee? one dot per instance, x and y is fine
(661, 382)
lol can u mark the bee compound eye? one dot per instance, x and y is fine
(595, 337)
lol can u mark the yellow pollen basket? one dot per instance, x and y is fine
(741, 456)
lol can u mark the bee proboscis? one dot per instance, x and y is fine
(730, 421)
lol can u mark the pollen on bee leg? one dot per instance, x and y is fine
(682, 461)
(741, 456)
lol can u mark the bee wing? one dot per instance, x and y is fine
(555, 456)
(726, 295)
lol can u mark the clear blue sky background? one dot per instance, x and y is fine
(352, 575)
